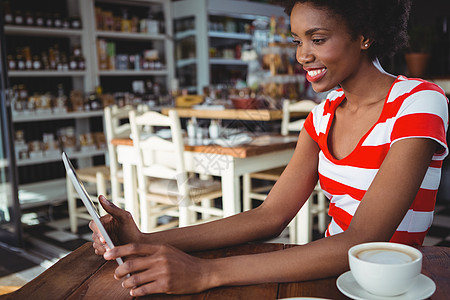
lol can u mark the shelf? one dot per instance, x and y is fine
(129, 35)
(230, 35)
(226, 61)
(42, 193)
(186, 62)
(58, 116)
(133, 73)
(215, 34)
(185, 34)
(41, 31)
(74, 155)
(47, 73)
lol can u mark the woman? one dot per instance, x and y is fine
(377, 145)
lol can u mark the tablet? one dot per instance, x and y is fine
(79, 187)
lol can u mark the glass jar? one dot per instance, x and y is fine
(39, 19)
(19, 18)
(37, 64)
(11, 63)
(29, 18)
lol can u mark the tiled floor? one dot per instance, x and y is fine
(50, 241)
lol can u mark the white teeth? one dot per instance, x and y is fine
(315, 72)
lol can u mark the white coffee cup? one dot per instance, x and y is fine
(385, 269)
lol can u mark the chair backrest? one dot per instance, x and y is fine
(116, 128)
(113, 118)
(301, 106)
(158, 157)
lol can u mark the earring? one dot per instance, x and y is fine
(366, 45)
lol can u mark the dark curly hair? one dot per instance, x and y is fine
(383, 21)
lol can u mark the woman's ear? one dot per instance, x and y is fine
(365, 43)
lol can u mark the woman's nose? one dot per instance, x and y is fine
(304, 55)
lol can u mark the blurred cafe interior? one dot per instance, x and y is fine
(78, 74)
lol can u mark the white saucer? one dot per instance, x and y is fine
(423, 289)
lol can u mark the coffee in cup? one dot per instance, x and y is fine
(383, 268)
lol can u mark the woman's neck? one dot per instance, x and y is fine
(369, 87)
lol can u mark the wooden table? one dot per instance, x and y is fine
(228, 163)
(233, 114)
(84, 275)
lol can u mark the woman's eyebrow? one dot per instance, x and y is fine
(311, 31)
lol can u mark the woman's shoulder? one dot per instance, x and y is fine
(404, 87)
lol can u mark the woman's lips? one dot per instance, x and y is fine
(315, 74)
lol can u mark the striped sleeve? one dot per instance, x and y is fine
(424, 114)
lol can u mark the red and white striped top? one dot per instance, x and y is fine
(413, 108)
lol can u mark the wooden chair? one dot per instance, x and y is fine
(164, 185)
(104, 179)
(300, 229)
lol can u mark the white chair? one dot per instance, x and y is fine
(164, 186)
(300, 229)
(95, 180)
(116, 126)
(104, 180)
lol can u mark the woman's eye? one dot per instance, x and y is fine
(297, 43)
(318, 41)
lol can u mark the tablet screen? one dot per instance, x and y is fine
(87, 201)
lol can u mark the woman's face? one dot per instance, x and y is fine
(325, 47)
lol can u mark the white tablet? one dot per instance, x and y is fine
(79, 187)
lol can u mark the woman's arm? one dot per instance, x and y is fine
(268, 220)
(381, 210)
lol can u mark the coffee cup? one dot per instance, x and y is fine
(385, 269)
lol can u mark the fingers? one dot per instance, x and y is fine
(137, 267)
(131, 249)
(99, 243)
(145, 281)
(111, 208)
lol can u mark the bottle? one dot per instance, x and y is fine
(29, 19)
(37, 64)
(28, 59)
(66, 23)
(45, 62)
(95, 102)
(61, 99)
(39, 20)
(75, 22)
(57, 20)
(18, 18)
(11, 63)
(52, 58)
(73, 64)
(81, 63)
(20, 60)
(191, 129)
(48, 20)
(7, 14)
(64, 62)
(214, 130)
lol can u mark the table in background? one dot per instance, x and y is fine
(228, 163)
(233, 114)
(82, 274)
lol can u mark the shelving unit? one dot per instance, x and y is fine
(161, 41)
(203, 38)
(47, 191)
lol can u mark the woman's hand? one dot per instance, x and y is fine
(159, 269)
(118, 223)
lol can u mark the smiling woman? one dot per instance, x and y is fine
(376, 144)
